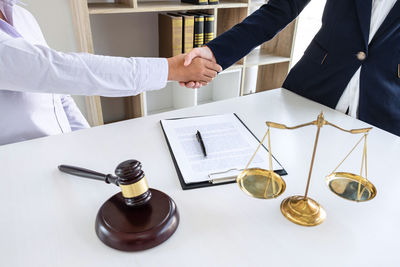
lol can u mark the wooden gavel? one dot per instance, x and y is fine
(138, 217)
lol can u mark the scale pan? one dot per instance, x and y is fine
(260, 183)
(346, 185)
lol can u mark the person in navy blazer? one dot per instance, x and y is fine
(334, 55)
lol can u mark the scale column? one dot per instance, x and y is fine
(303, 210)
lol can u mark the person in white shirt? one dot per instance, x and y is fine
(36, 81)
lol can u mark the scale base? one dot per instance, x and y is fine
(130, 228)
(303, 211)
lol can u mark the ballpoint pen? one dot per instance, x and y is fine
(200, 140)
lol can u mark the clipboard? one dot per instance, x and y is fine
(221, 181)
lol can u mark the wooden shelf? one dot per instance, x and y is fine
(205, 102)
(156, 111)
(258, 57)
(156, 6)
(272, 59)
(108, 8)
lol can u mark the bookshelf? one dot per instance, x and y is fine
(95, 26)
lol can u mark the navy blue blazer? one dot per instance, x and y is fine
(344, 33)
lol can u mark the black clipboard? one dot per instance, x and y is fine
(187, 186)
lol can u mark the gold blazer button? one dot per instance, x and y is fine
(361, 56)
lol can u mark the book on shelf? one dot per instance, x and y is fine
(196, 2)
(213, 2)
(198, 29)
(209, 33)
(170, 34)
(188, 32)
(180, 32)
(207, 23)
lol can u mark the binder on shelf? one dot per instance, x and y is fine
(213, 2)
(196, 2)
(229, 144)
(170, 35)
(188, 32)
(209, 33)
(208, 26)
(198, 29)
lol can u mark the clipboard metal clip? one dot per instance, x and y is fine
(223, 179)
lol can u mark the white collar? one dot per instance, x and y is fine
(6, 7)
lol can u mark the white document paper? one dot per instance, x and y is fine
(229, 145)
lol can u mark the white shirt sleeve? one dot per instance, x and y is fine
(74, 115)
(35, 68)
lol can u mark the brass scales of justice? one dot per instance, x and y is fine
(302, 210)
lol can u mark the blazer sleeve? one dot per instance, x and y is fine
(256, 29)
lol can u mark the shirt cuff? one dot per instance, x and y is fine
(154, 73)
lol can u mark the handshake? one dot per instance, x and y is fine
(195, 69)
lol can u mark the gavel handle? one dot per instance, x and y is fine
(108, 178)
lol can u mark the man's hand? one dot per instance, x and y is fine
(203, 52)
(198, 69)
(200, 52)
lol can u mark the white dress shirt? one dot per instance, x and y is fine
(35, 81)
(351, 95)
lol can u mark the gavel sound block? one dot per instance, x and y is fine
(137, 218)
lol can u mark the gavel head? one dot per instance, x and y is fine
(133, 184)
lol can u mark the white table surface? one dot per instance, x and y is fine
(47, 217)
